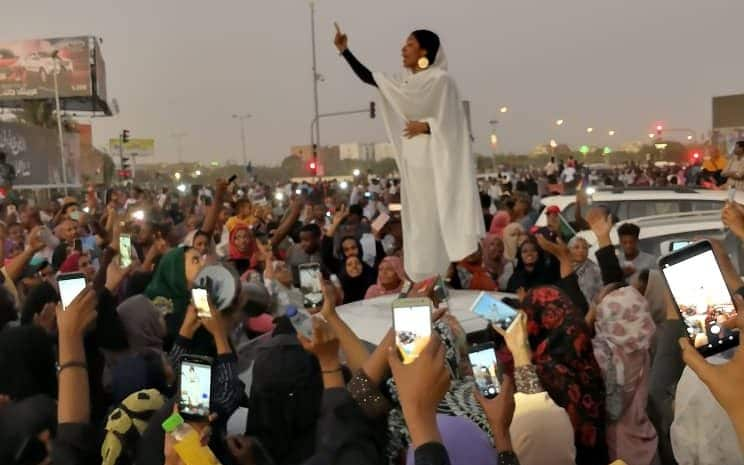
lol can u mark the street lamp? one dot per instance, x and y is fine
(611, 133)
(589, 130)
(177, 176)
(356, 172)
(494, 140)
(242, 119)
(197, 173)
(504, 109)
(553, 143)
(689, 137)
(650, 135)
(559, 122)
(55, 57)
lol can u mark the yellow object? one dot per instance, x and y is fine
(423, 63)
(618, 462)
(191, 452)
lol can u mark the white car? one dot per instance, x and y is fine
(42, 64)
(663, 234)
(630, 203)
(371, 319)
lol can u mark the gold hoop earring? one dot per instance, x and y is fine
(423, 63)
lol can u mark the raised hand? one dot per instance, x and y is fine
(415, 128)
(341, 41)
(516, 339)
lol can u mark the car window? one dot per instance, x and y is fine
(705, 205)
(652, 244)
(641, 208)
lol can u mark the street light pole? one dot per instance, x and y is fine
(242, 119)
(55, 56)
(178, 136)
(316, 77)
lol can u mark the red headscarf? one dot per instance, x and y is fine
(235, 253)
(499, 222)
(71, 263)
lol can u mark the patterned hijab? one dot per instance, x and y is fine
(564, 361)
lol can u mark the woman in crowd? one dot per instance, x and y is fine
(590, 279)
(242, 248)
(497, 265)
(514, 235)
(390, 278)
(500, 221)
(356, 278)
(622, 342)
(532, 268)
(472, 275)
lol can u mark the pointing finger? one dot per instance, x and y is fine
(338, 29)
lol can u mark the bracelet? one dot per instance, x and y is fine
(73, 364)
(327, 372)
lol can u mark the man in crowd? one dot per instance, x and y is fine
(632, 259)
(734, 171)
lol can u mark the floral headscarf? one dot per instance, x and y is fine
(378, 289)
(564, 362)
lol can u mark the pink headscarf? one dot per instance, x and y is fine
(377, 290)
(499, 222)
(624, 330)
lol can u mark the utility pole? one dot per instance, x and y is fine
(178, 136)
(55, 57)
(242, 119)
(316, 78)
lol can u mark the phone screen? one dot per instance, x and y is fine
(380, 222)
(125, 250)
(492, 309)
(412, 330)
(196, 386)
(703, 300)
(484, 363)
(69, 289)
(201, 302)
(311, 285)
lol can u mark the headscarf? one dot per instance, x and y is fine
(564, 362)
(356, 288)
(541, 431)
(492, 264)
(36, 299)
(511, 239)
(500, 221)
(378, 289)
(588, 274)
(235, 253)
(475, 277)
(169, 290)
(71, 263)
(541, 274)
(624, 331)
(142, 323)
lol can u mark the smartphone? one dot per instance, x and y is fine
(394, 208)
(440, 290)
(380, 222)
(232, 178)
(125, 250)
(311, 285)
(201, 302)
(412, 326)
(483, 361)
(78, 245)
(70, 285)
(195, 387)
(494, 310)
(702, 297)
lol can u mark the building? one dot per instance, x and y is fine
(305, 152)
(357, 151)
(384, 150)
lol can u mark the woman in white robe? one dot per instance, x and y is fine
(425, 122)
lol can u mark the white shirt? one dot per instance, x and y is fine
(568, 175)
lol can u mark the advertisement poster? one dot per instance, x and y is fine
(134, 147)
(34, 152)
(27, 68)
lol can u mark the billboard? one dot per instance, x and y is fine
(135, 147)
(27, 68)
(34, 152)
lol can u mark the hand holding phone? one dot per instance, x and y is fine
(70, 285)
(412, 325)
(125, 250)
(700, 293)
(195, 387)
(492, 309)
(201, 302)
(485, 369)
(311, 285)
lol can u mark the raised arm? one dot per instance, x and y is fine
(342, 44)
(286, 226)
(210, 221)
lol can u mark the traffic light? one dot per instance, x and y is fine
(695, 156)
(125, 136)
(313, 167)
(372, 110)
(659, 129)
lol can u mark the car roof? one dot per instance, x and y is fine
(371, 319)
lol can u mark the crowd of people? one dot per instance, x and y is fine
(592, 368)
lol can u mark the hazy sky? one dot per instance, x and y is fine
(182, 66)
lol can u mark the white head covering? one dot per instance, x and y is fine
(541, 431)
